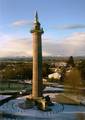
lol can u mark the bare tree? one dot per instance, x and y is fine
(80, 116)
(73, 81)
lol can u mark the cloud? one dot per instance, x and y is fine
(19, 23)
(71, 26)
(71, 45)
(12, 47)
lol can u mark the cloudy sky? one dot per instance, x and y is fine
(63, 22)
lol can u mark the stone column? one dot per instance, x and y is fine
(37, 59)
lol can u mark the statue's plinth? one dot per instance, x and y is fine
(42, 103)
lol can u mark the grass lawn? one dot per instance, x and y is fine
(64, 99)
(14, 86)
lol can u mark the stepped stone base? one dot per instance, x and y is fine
(42, 103)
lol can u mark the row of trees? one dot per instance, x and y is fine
(17, 71)
(21, 71)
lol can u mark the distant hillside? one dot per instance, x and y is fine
(60, 58)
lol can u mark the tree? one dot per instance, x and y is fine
(63, 72)
(70, 62)
(81, 67)
(45, 69)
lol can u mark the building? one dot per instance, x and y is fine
(54, 76)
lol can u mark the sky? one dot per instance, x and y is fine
(63, 22)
